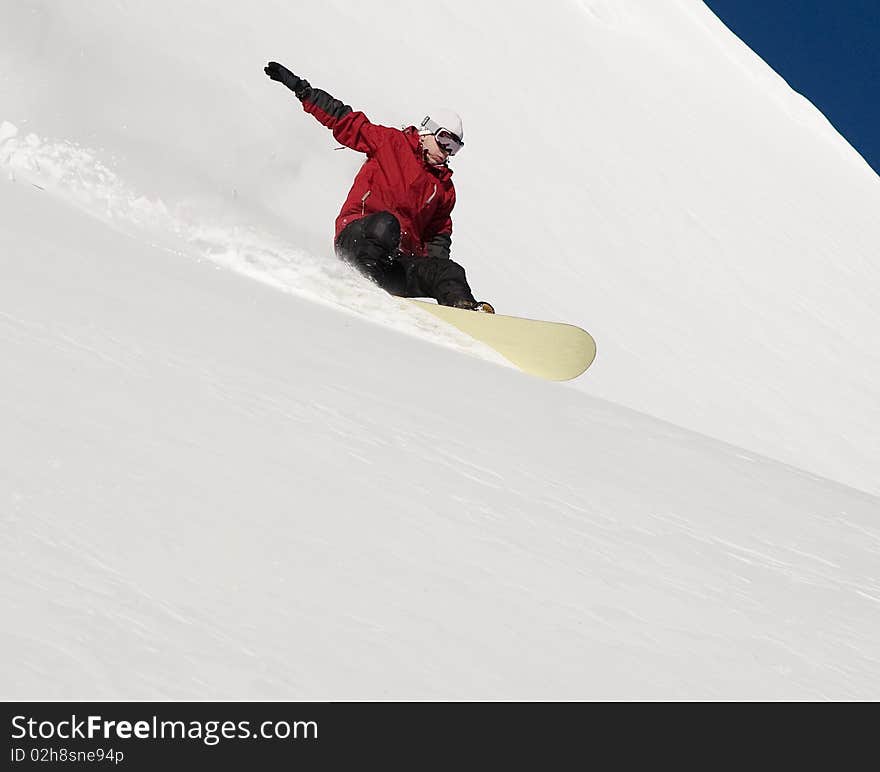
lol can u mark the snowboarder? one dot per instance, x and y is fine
(395, 226)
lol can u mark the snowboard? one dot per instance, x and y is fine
(550, 350)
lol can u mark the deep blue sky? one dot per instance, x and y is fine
(828, 50)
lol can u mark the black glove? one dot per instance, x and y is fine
(280, 73)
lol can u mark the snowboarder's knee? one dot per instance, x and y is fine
(384, 228)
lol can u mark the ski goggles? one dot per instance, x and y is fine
(450, 142)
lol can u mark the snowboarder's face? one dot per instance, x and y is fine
(435, 154)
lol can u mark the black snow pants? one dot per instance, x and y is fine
(371, 245)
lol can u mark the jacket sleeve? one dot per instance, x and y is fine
(352, 129)
(440, 245)
(439, 232)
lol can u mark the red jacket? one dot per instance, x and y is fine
(395, 177)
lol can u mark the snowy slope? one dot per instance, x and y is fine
(631, 167)
(203, 499)
(215, 489)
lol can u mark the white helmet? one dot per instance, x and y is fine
(446, 126)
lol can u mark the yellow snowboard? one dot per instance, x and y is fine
(551, 350)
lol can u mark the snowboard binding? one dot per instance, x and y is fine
(480, 306)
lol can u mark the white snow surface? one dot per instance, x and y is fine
(231, 469)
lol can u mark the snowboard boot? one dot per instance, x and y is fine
(472, 305)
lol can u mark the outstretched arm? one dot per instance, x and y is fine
(352, 129)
